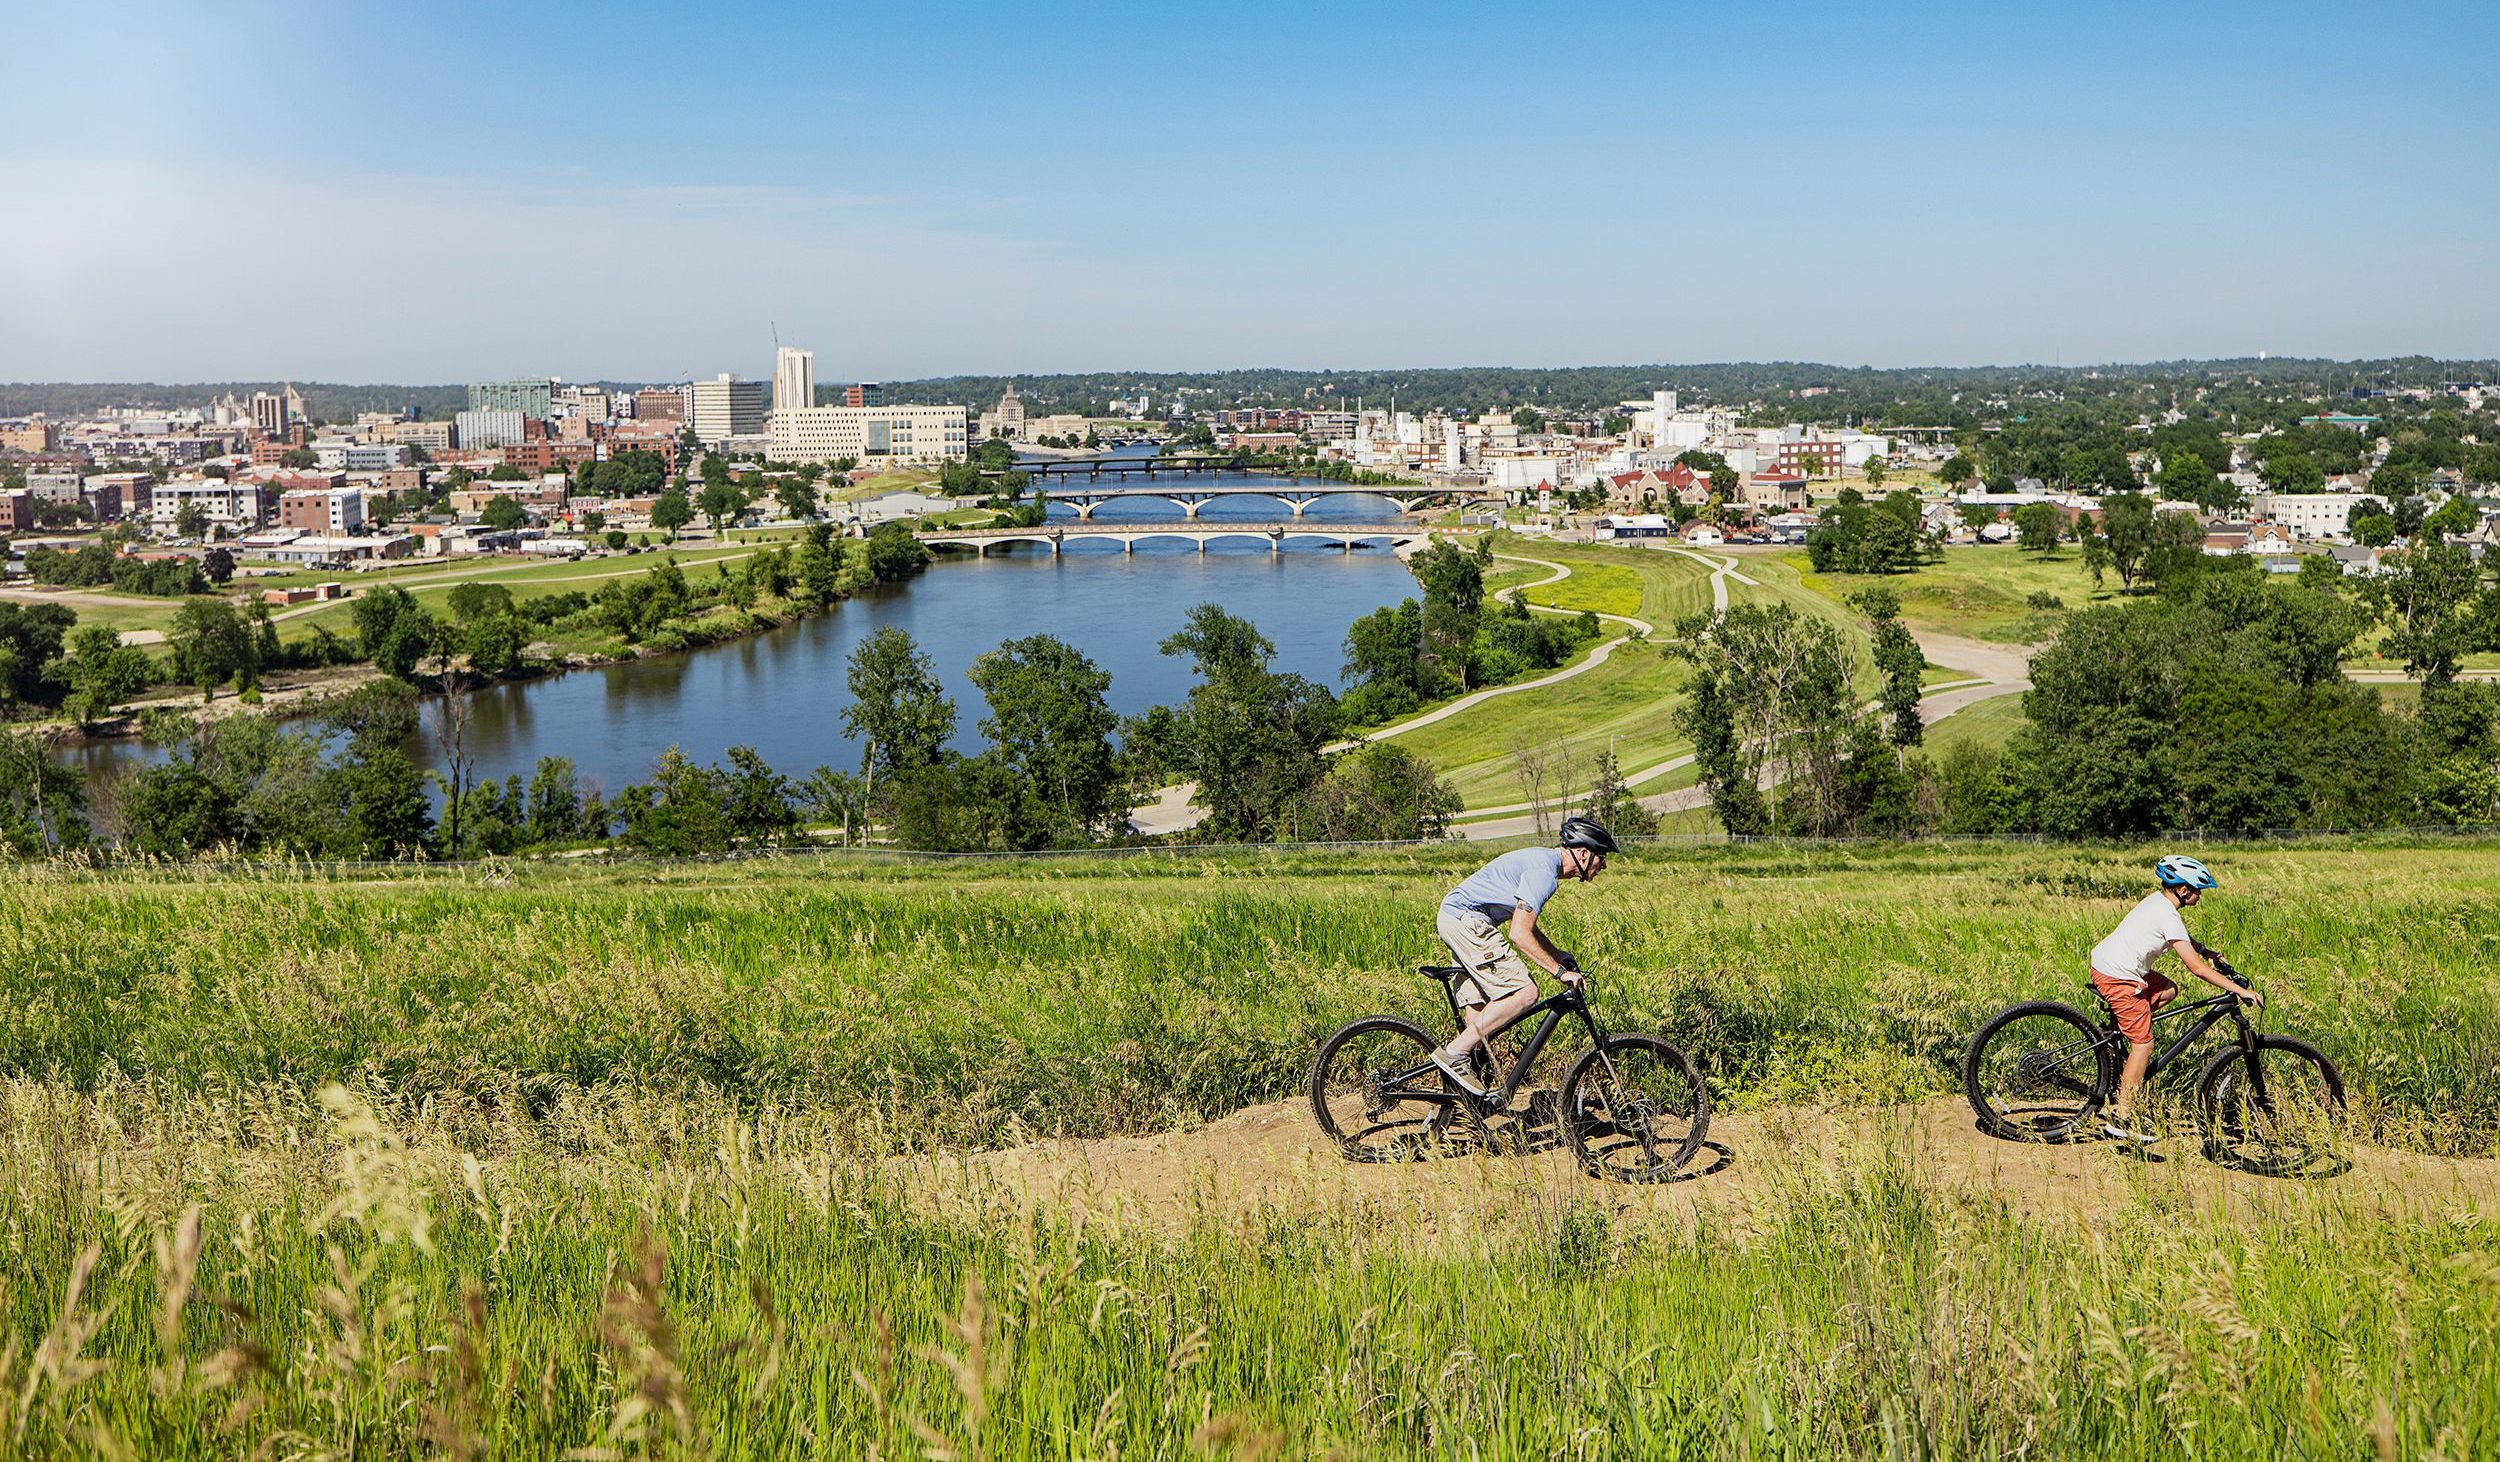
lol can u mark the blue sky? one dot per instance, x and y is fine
(352, 191)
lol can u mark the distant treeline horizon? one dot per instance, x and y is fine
(1894, 394)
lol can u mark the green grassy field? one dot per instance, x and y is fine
(610, 1170)
(1843, 974)
(1986, 723)
(1978, 592)
(124, 612)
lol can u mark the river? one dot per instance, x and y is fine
(783, 692)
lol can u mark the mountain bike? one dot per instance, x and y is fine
(1633, 1107)
(2040, 1071)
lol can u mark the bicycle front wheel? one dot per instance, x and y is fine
(2037, 1071)
(1636, 1109)
(1371, 1091)
(2278, 1111)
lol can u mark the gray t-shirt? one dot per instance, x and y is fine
(1524, 876)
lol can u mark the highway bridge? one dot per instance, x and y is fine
(1128, 535)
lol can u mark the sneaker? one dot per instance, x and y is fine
(1455, 1068)
(2118, 1132)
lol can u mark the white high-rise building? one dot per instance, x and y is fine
(794, 379)
(726, 407)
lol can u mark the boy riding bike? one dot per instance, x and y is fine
(1506, 895)
(2123, 975)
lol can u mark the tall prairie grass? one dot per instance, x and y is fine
(972, 1003)
(623, 1275)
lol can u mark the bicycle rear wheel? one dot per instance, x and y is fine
(2037, 1071)
(2294, 1127)
(1636, 1109)
(1368, 1086)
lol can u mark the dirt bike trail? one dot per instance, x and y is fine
(1272, 1158)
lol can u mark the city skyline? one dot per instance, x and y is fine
(1155, 190)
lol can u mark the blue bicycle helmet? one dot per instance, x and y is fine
(2181, 871)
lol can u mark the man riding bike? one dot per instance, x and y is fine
(1506, 895)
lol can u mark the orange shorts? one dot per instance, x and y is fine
(2133, 1003)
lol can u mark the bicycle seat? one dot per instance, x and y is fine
(1443, 973)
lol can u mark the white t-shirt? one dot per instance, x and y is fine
(2129, 951)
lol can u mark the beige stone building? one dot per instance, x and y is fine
(870, 435)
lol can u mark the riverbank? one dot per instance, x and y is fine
(708, 614)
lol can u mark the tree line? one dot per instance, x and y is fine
(2217, 702)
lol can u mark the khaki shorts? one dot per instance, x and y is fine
(1494, 969)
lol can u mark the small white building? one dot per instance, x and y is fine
(2308, 514)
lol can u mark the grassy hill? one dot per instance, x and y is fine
(569, 1157)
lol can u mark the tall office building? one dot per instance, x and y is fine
(530, 396)
(794, 378)
(726, 407)
(269, 413)
(866, 393)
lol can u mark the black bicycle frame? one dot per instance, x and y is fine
(1554, 1007)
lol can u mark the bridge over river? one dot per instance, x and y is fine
(1079, 485)
(1127, 535)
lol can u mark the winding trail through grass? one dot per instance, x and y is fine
(1999, 670)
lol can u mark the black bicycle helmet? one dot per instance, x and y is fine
(1582, 832)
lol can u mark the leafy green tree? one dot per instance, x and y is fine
(1453, 580)
(1612, 804)
(472, 600)
(503, 513)
(175, 810)
(671, 512)
(2372, 530)
(2186, 478)
(679, 813)
(1384, 665)
(756, 800)
(387, 815)
(1875, 470)
(1050, 724)
(392, 630)
(721, 501)
(894, 553)
(217, 566)
(1251, 737)
(2454, 519)
(494, 644)
(2038, 526)
(299, 459)
(43, 802)
(899, 710)
(1956, 470)
(554, 811)
(2293, 472)
(1770, 692)
(2425, 595)
(505, 472)
(103, 672)
(190, 520)
(30, 641)
(210, 644)
(798, 497)
(1379, 793)
(1898, 660)
(2127, 530)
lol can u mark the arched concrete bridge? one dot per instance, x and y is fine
(1190, 499)
(1127, 535)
